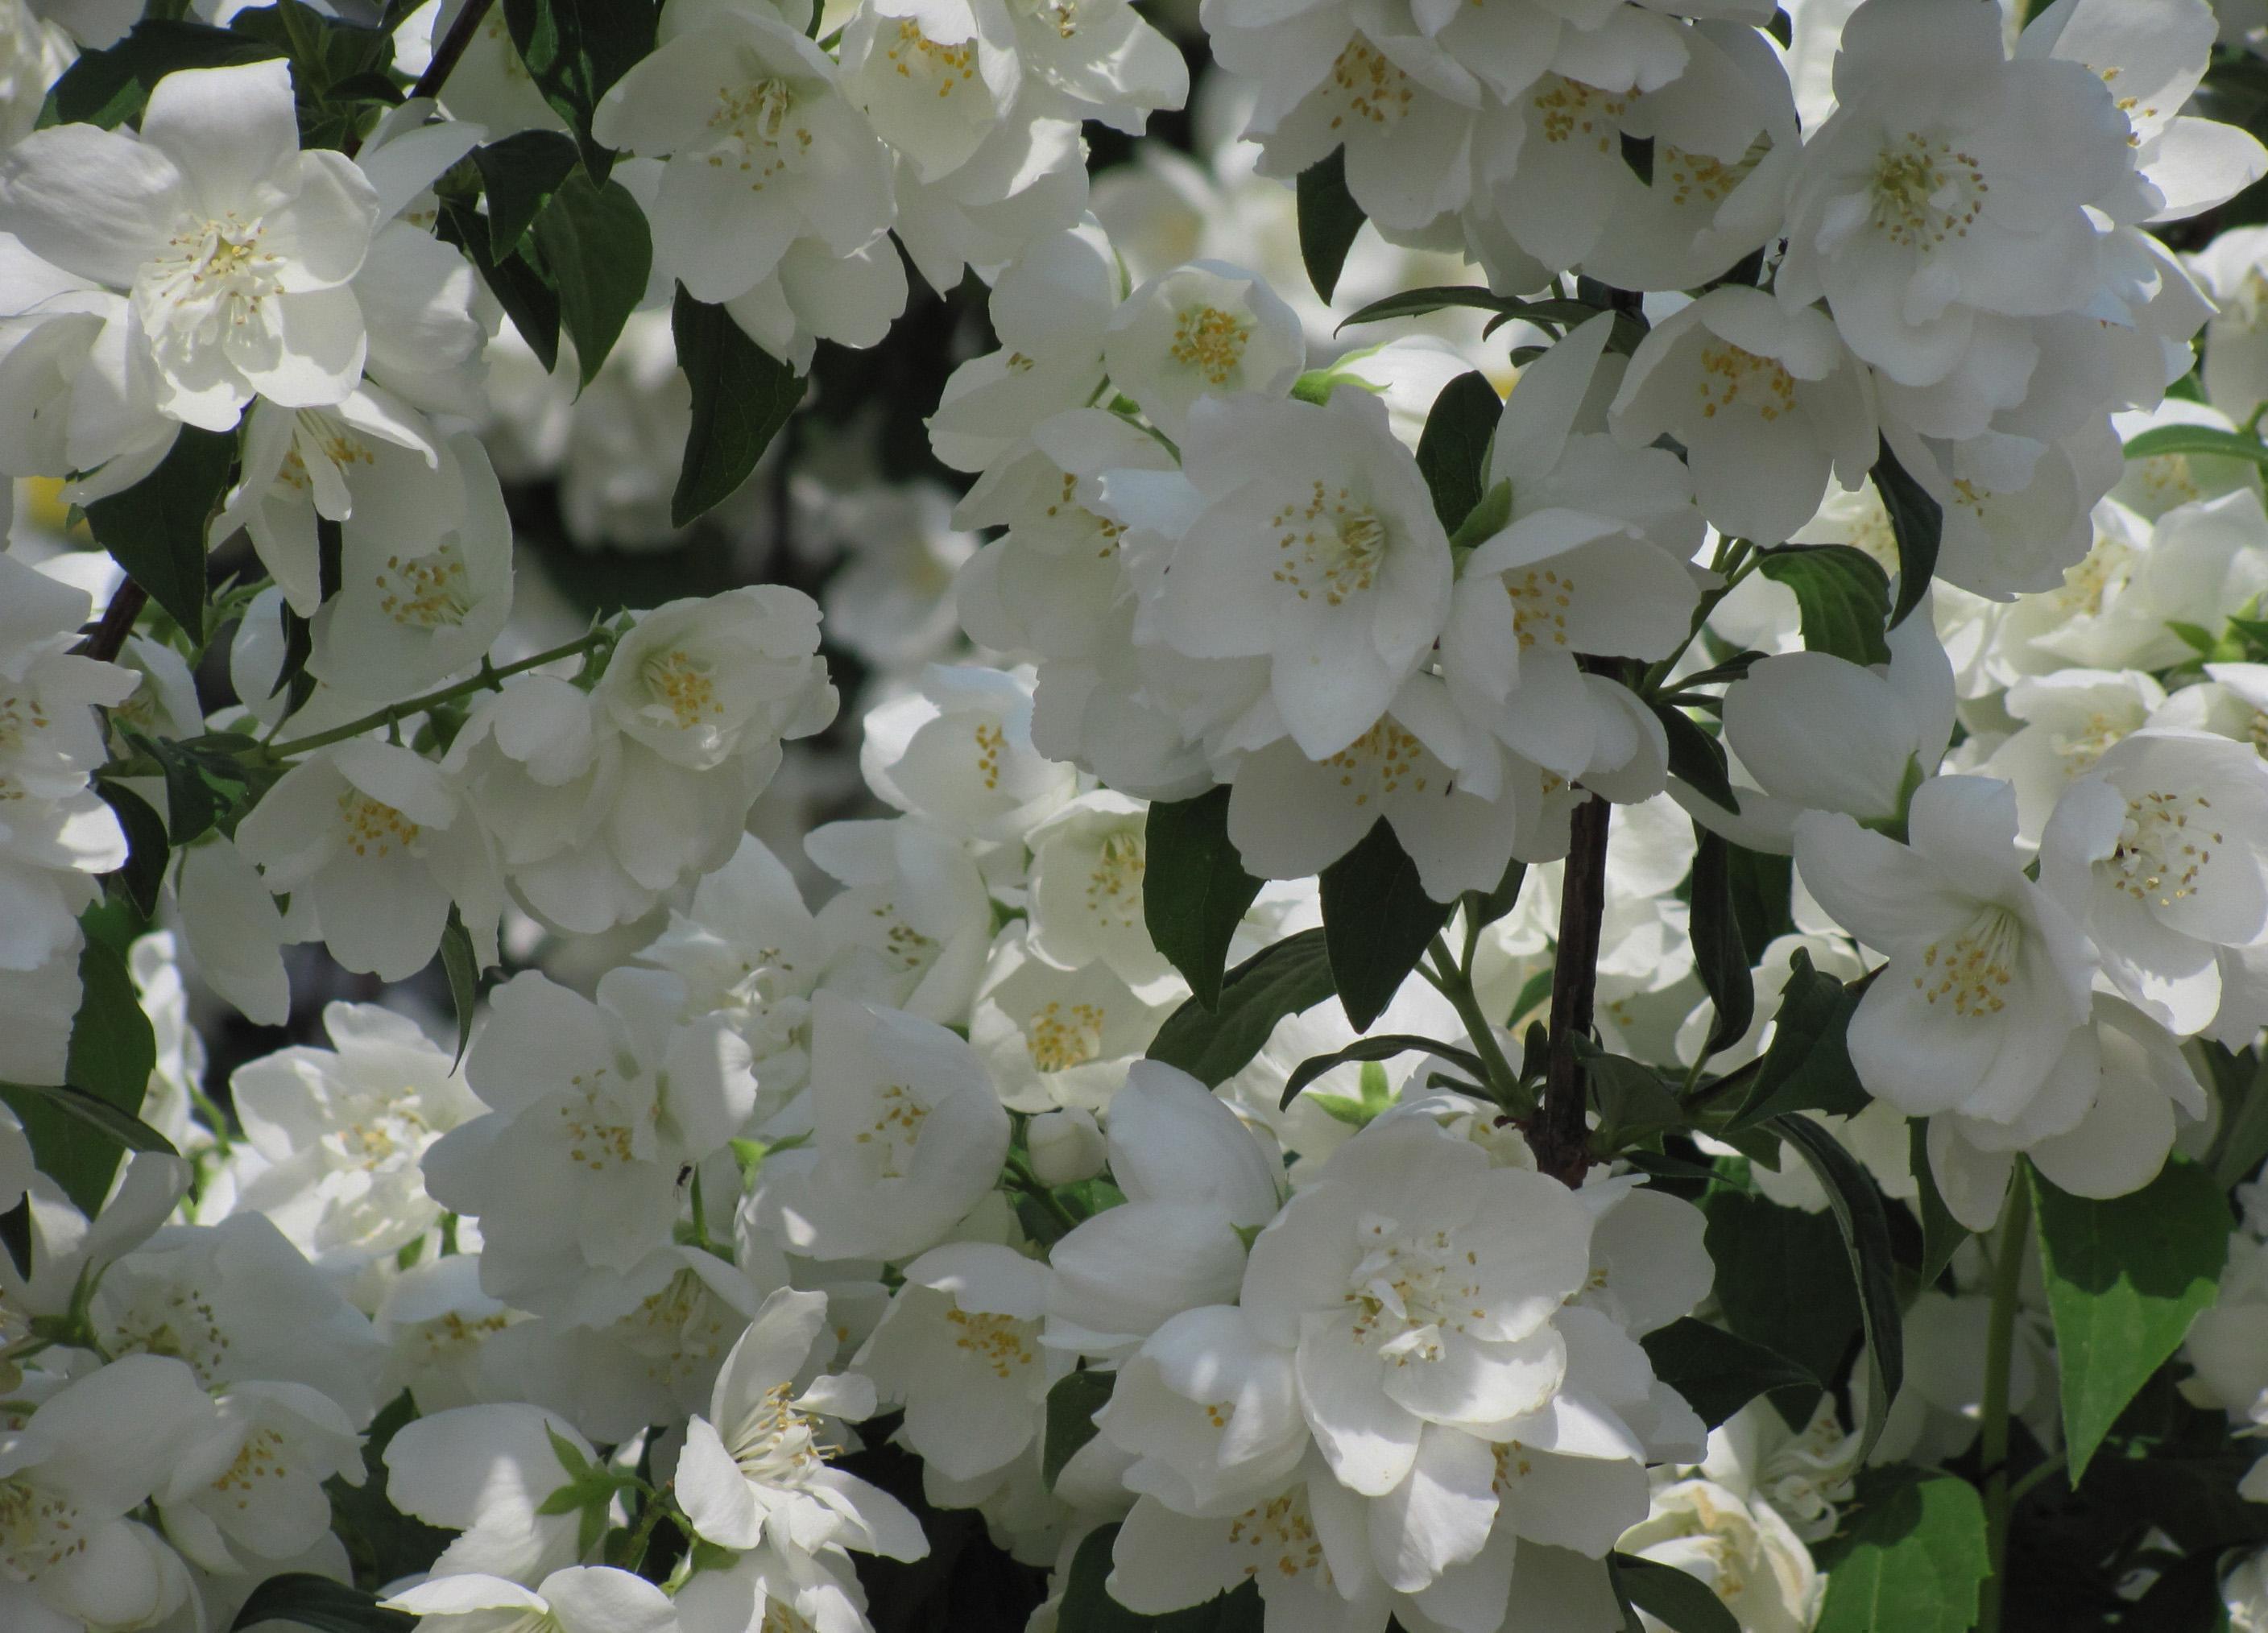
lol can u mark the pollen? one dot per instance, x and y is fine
(1731, 374)
(1210, 341)
(1113, 885)
(1060, 1036)
(1369, 88)
(1541, 598)
(1001, 1342)
(684, 687)
(1970, 973)
(1331, 545)
(374, 828)
(2164, 847)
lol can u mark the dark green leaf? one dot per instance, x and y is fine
(1696, 758)
(741, 396)
(2243, 1139)
(462, 967)
(2124, 1278)
(1072, 1402)
(2164, 439)
(1916, 521)
(78, 1133)
(594, 241)
(1717, 1371)
(1941, 1234)
(1482, 908)
(1485, 520)
(1453, 451)
(1781, 1281)
(1762, 888)
(1856, 1205)
(1841, 595)
(1386, 1045)
(145, 872)
(1682, 1603)
(320, 1603)
(1808, 1067)
(1214, 1045)
(1914, 1562)
(1718, 954)
(120, 1128)
(384, 1543)
(1637, 154)
(1088, 1608)
(1328, 220)
(1378, 922)
(111, 87)
(523, 288)
(575, 49)
(519, 175)
(156, 529)
(203, 777)
(1195, 889)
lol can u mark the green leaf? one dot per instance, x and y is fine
(1195, 889)
(1385, 1046)
(575, 49)
(1328, 220)
(1717, 1371)
(320, 1603)
(1841, 595)
(1762, 888)
(462, 968)
(1781, 1281)
(2125, 1277)
(1378, 922)
(1914, 1562)
(145, 872)
(595, 241)
(2165, 439)
(1808, 1066)
(1088, 1608)
(1486, 908)
(741, 396)
(1856, 1205)
(16, 1236)
(1214, 1045)
(1634, 1102)
(78, 1133)
(204, 779)
(1359, 1111)
(518, 176)
(156, 529)
(338, 68)
(384, 1543)
(1072, 1402)
(1916, 521)
(1680, 1602)
(1696, 758)
(523, 288)
(1718, 956)
(1484, 520)
(1453, 451)
(2243, 1139)
(111, 87)
(1941, 1234)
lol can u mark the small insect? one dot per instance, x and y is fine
(684, 1172)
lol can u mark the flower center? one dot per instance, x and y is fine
(1407, 1289)
(1368, 88)
(990, 739)
(1700, 177)
(1970, 972)
(756, 129)
(1386, 755)
(914, 54)
(38, 1530)
(1113, 885)
(1729, 370)
(2080, 748)
(1278, 1537)
(1000, 1341)
(683, 685)
(2165, 847)
(257, 1460)
(430, 592)
(601, 1132)
(175, 1322)
(374, 827)
(1540, 599)
(1924, 192)
(1060, 1038)
(775, 1445)
(897, 1127)
(1570, 111)
(1210, 341)
(1332, 543)
(212, 276)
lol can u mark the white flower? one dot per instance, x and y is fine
(1055, 1037)
(2157, 852)
(2245, 1593)
(91, 1454)
(582, 1598)
(890, 601)
(1310, 541)
(1067, 1146)
(779, 1581)
(436, 1319)
(485, 1471)
(1208, 1412)
(2236, 371)
(1207, 329)
(2067, 720)
(1765, 401)
(71, 357)
(1085, 904)
(252, 1485)
(1758, 1568)
(959, 1349)
(1987, 977)
(597, 1108)
(912, 927)
(343, 1130)
(764, 149)
(958, 753)
(908, 1136)
(1196, 1179)
(234, 247)
(702, 679)
(373, 840)
(755, 1466)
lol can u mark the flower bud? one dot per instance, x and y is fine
(1067, 1146)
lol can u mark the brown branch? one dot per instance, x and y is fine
(1560, 1136)
(108, 637)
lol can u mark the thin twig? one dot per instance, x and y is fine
(1560, 1136)
(108, 638)
(447, 52)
